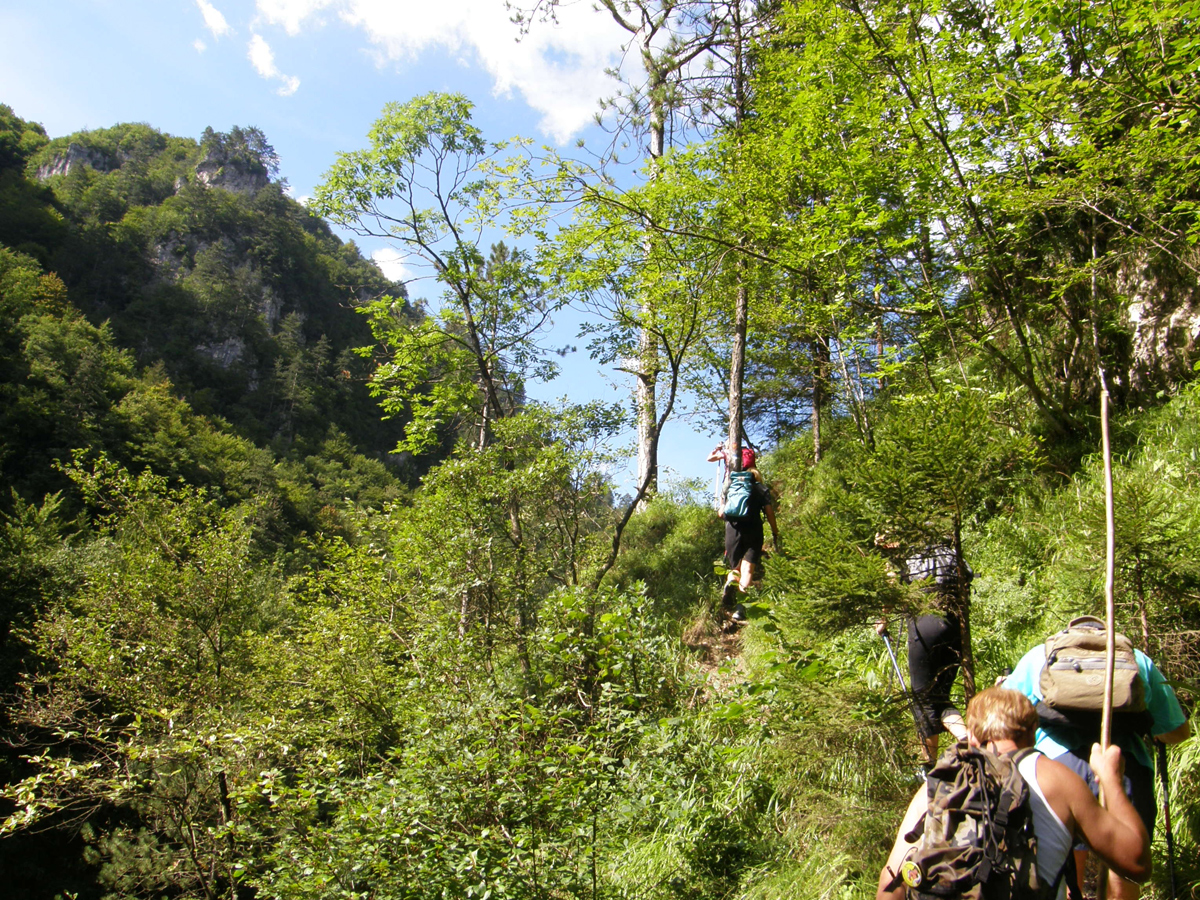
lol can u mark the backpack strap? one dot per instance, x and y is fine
(995, 825)
(1019, 756)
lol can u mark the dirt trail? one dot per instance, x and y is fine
(716, 645)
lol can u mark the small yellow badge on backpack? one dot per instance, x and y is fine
(911, 873)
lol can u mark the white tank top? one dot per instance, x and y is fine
(1054, 841)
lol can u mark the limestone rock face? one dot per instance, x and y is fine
(74, 157)
(1164, 321)
(224, 353)
(235, 175)
(168, 258)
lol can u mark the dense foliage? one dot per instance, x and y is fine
(246, 654)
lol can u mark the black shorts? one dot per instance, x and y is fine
(1139, 782)
(934, 657)
(743, 540)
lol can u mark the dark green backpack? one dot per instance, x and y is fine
(976, 838)
(739, 487)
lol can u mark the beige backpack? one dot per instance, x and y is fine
(1072, 680)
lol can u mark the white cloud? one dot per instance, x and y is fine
(199, 45)
(291, 13)
(264, 63)
(213, 19)
(391, 261)
(557, 68)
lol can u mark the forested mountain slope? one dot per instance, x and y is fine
(202, 265)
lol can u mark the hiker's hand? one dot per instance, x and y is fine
(881, 625)
(1107, 763)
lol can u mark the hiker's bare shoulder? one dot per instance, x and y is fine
(1064, 790)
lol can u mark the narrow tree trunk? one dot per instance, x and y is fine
(647, 413)
(227, 821)
(1139, 589)
(484, 425)
(647, 366)
(964, 612)
(737, 362)
(820, 355)
(816, 424)
(880, 349)
(737, 368)
(524, 618)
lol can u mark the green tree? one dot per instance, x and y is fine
(936, 462)
(433, 184)
(133, 704)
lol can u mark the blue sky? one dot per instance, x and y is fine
(314, 75)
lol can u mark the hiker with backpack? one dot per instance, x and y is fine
(996, 819)
(742, 503)
(1064, 677)
(934, 640)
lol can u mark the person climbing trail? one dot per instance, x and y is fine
(1069, 699)
(934, 641)
(744, 535)
(928, 860)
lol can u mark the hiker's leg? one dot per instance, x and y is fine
(746, 569)
(1139, 787)
(923, 658)
(730, 591)
(931, 748)
(952, 721)
(1121, 889)
(941, 639)
(1081, 858)
(733, 562)
(745, 575)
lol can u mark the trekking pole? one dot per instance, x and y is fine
(912, 704)
(1166, 806)
(895, 665)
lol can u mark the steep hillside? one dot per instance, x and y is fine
(203, 265)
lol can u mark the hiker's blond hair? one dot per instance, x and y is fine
(998, 714)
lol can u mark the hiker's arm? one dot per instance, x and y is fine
(1116, 833)
(1178, 735)
(900, 848)
(769, 509)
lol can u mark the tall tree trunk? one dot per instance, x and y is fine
(964, 613)
(647, 414)
(820, 395)
(524, 616)
(737, 362)
(484, 426)
(647, 365)
(1139, 588)
(737, 368)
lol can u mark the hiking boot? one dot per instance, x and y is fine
(729, 596)
(739, 614)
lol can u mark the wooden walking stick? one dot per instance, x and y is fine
(1110, 611)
